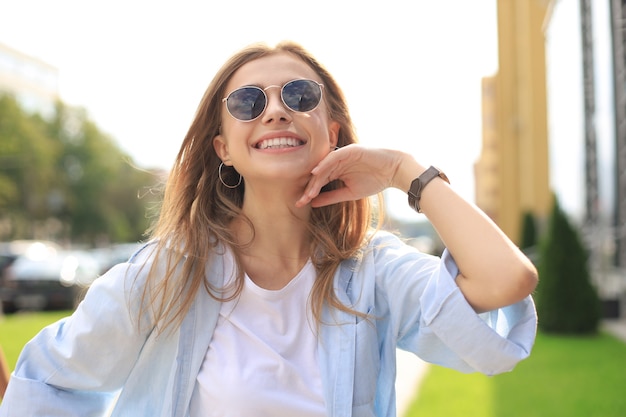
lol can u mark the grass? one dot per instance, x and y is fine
(17, 329)
(564, 377)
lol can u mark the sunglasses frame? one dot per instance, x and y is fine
(263, 90)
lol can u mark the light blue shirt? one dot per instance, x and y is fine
(99, 358)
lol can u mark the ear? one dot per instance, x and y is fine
(333, 133)
(221, 149)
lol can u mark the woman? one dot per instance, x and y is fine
(4, 373)
(264, 291)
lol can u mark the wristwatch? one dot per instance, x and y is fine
(419, 183)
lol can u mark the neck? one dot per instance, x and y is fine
(280, 243)
(279, 234)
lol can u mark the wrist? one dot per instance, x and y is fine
(420, 183)
(408, 169)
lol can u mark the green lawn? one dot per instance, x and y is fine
(17, 329)
(563, 377)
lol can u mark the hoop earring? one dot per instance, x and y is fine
(219, 174)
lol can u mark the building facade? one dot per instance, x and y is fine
(618, 38)
(512, 171)
(34, 83)
(554, 123)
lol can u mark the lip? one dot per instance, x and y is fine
(289, 136)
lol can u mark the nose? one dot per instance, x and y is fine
(275, 111)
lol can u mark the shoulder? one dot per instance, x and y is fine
(162, 256)
(144, 253)
(382, 243)
(158, 260)
(386, 254)
(383, 237)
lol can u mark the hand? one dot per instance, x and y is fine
(364, 171)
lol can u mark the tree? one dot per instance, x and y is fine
(566, 300)
(102, 200)
(27, 170)
(63, 179)
(529, 231)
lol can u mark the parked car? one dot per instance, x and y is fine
(42, 275)
(114, 254)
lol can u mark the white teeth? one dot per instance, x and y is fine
(277, 143)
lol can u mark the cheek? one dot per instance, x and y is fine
(236, 133)
(321, 127)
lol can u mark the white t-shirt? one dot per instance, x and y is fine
(262, 359)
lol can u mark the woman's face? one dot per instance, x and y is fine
(303, 138)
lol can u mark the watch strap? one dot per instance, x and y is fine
(419, 183)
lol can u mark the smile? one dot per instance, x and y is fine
(279, 143)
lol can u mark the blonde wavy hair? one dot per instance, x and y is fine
(197, 210)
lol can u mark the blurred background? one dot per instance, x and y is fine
(517, 101)
(521, 102)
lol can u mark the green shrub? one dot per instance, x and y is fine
(566, 300)
(529, 231)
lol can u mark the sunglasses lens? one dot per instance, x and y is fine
(246, 103)
(302, 95)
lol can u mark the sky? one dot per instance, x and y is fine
(411, 70)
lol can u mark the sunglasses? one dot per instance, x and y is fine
(249, 102)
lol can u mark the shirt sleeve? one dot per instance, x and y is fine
(433, 319)
(76, 366)
(491, 343)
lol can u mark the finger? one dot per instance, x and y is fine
(304, 200)
(331, 197)
(333, 160)
(316, 183)
(312, 189)
(324, 173)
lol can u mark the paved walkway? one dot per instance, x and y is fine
(411, 371)
(616, 327)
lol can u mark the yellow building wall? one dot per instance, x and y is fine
(486, 169)
(518, 141)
